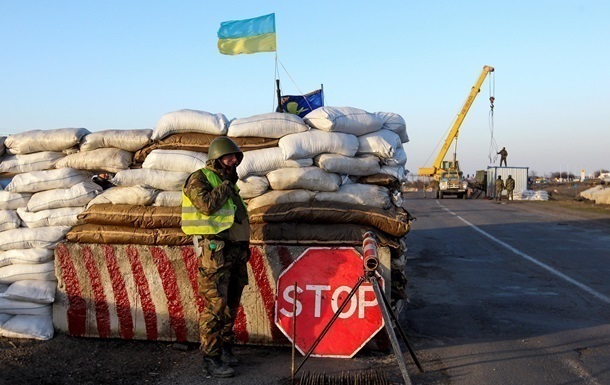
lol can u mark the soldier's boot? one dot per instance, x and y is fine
(227, 355)
(217, 368)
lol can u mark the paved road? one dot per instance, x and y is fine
(507, 293)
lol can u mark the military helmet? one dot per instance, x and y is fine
(223, 146)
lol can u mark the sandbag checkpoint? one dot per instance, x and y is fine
(115, 264)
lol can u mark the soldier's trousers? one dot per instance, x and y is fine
(222, 276)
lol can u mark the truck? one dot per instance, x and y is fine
(447, 173)
(452, 182)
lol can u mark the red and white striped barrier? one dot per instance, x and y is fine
(150, 292)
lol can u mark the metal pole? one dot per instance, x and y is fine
(388, 325)
(294, 329)
(330, 323)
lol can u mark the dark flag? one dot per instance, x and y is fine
(303, 104)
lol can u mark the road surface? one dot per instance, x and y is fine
(508, 293)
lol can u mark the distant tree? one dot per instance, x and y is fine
(563, 175)
(533, 174)
(597, 173)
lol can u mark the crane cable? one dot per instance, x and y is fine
(493, 146)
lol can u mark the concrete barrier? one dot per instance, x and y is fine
(150, 292)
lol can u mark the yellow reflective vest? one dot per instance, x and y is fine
(195, 222)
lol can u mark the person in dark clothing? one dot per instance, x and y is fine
(103, 179)
(217, 217)
(503, 154)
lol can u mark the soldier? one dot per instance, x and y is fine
(503, 154)
(510, 186)
(217, 217)
(499, 185)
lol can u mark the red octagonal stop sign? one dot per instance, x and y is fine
(324, 278)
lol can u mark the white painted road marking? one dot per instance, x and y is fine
(548, 268)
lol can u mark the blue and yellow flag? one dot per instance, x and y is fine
(247, 36)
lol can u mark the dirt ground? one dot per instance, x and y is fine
(69, 360)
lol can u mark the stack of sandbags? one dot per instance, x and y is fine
(531, 195)
(599, 194)
(37, 208)
(356, 156)
(109, 150)
(109, 223)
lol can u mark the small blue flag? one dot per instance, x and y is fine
(303, 104)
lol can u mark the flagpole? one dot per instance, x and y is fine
(279, 96)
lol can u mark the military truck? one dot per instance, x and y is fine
(480, 181)
(452, 182)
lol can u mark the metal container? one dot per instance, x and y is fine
(519, 174)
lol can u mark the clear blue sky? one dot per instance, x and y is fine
(123, 64)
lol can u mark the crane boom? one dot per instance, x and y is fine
(437, 168)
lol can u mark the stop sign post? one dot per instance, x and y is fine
(324, 278)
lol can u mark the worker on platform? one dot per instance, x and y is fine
(499, 185)
(503, 154)
(217, 217)
(510, 186)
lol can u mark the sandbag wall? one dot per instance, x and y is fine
(39, 205)
(300, 177)
(599, 194)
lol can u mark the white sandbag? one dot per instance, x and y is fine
(168, 199)
(190, 121)
(382, 143)
(591, 192)
(36, 181)
(2, 146)
(306, 178)
(343, 119)
(175, 160)
(274, 197)
(270, 125)
(155, 179)
(358, 194)
(25, 238)
(37, 272)
(314, 142)
(9, 220)
(10, 306)
(37, 161)
(397, 172)
(37, 327)
(344, 165)
(25, 256)
(31, 291)
(260, 162)
(78, 195)
(63, 216)
(128, 195)
(44, 140)
(394, 123)
(128, 140)
(253, 186)
(12, 200)
(107, 159)
(399, 158)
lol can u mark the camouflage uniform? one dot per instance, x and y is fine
(503, 154)
(499, 185)
(510, 186)
(222, 271)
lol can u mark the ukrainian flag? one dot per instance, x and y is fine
(247, 36)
